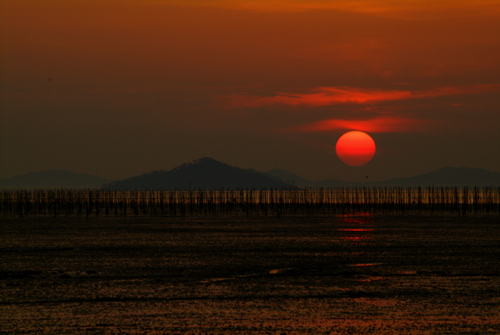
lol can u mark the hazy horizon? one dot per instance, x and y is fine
(270, 171)
(117, 89)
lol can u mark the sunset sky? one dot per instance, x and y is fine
(117, 88)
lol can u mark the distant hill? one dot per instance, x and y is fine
(298, 181)
(289, 177)
(52, 179)
(205, 173)
(447, 177)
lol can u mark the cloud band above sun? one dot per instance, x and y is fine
(324, 96)
(380, 124)
(396, 8)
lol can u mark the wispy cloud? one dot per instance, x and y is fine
(382, 124)
(408, 9)
(324, 96)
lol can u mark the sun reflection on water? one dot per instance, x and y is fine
(355, 228)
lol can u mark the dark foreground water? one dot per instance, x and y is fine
(356, 275)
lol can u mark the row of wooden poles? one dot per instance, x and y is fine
(307, 202)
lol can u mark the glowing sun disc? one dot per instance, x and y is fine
(355, 148)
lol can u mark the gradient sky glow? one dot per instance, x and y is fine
(118, 88)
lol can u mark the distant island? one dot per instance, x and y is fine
(444, 177)
(205, 173)
(210, 174)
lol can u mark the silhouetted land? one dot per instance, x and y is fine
(344, 274)
(205, 174)
(443, 177)
(208, 174)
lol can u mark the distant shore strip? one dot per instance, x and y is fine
(272, 202)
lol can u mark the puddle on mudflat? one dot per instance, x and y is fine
(354, 239)
(365, 264)
(356, 232)
(367, 280)
(356, 218)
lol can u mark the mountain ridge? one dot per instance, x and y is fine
(207, 173)
(443, 177)
(204, 173)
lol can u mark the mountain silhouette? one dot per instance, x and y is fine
(449, 177)
(290, 178)
(205, 173)
(443, 177)
(301, 182)
(52, 179)
(209, 174)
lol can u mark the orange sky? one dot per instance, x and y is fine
(87, 86)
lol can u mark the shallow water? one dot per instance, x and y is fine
(358, 275)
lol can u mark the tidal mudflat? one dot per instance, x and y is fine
(337, 275)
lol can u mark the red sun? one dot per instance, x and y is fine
(355, 148)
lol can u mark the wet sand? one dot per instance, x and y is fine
(338, 275)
